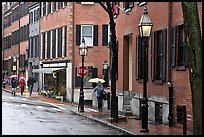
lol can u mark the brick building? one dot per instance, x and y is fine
(167, 20)
(64, 24)
(15, 32)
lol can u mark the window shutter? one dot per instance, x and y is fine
(95, 36)
(173, 47)
(43, 45)
(137, 58)
(152, 57)
(163, 69)
(65, 41)
(94, 75)
(77, 79)
(104, 35)
(185, 50)
(78, 35)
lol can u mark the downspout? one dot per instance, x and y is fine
(170, 84)
(73, 64)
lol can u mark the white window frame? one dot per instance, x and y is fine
(63, 41)
(109, 35)
(85, 37)
(51, 44)
(87, 3)
(56, 43)
(45, 45)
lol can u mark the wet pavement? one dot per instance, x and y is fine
(131, 125)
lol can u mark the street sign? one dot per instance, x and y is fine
(79, 71)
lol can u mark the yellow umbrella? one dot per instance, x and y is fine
(96, 80)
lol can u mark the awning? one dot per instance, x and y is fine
(46, 70)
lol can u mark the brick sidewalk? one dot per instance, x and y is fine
(132, 125)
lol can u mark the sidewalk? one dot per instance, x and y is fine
(132, 126)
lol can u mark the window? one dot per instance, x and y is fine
(158, 55)
(64, 33)
(139, 58)
(59, 42)
(43, 45)
(31, 17)
(48, 7)
(53, 43)
(53, 6)
(43, 8)
(48, 44)
(87, 34)
(179, 46)
(127, 6)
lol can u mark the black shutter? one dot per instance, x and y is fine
(173, 47)
(152, 56)
(78, 35)
(77, 79)
(163, 70)
(104, 35)
(54, 43)
(60, 42)
(137, 57)
(65, 41)
(48, 44)
(185, 50)
(95, 36)
(94, 75)
(43, 45)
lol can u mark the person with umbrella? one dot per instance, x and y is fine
(99, 94)
(22, 85)
(14, 84)
(30, 84)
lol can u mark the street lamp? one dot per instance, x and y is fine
(14, 64)
(105, 73)
(82, 53)
(145, 27)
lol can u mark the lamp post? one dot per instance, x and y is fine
(14, 64)
(82, 53)
(105, 73)
(145, 27)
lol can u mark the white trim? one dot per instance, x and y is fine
(91, 34)
(45, 45)
(56, 43)
(51, 44)
(63, 41)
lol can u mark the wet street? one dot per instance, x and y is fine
(23, 116)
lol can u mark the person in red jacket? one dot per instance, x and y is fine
(22, 85)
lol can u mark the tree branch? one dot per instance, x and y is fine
(104, 7)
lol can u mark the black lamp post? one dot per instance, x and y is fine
(105, 73)
(145, 27)
(82, 53)
(14, 65)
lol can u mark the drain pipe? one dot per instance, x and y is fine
(170, 84)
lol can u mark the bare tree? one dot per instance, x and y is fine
(107, 6)
(192, 28)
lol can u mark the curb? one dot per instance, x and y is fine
(103, 123)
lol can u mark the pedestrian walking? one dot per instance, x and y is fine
(14, 84)
(99, 94)
(22, 85)
(30, 84)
